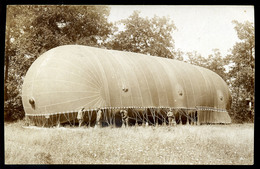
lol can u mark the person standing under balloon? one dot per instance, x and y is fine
(80, 116)
(171, 117)
(125, 118)
(99, 117)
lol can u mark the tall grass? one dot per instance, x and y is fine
(206, 144)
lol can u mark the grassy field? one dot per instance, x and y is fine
(205, 144)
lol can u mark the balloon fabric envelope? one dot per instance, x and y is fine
(68, 78)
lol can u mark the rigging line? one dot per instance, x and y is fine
(183, 80)
(198, 79)
(157, 115)
(165, 112)
(120, 62)
(58, 119)
(104, 77)
(107, 117)
(162, 119)
(96, 54)
(34, 120)
(51, 119)
(187, 116)
(65, 92)
(156, 81)
(221, 87)
(97, 91)
(80, 68)
(89, 102)
(136, 118)
(74, 118)
(41, 121)
(189, 79)
(167, 78)
(89, 117)
(147, 84)
(80, 77)
(161, 79)
(81, 60)
(115, 73)
(191, 117)
(67, 101)
(153, 114)
(67, 118)
(138, 114)
(38, 120)
(44, 121)
(146, 117)
(225, 88)
(103, 103)
(98, 103)
(135, 76)
(113, 117)
(94, 57)
(205, 82)
(213, 92)
(60, 80)
(36, 73)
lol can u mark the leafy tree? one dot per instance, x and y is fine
(178, 55)
(196, 59)
(34, 29)
(143, 35)
(242, 71)
(241, 74)
(214, 62)
(217, 63)
(15, 18)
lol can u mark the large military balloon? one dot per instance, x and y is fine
(68, 78)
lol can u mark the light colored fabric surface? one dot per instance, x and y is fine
(69, 77)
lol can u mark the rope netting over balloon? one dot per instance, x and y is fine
(69, 78)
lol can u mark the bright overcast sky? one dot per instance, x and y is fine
(200, 28)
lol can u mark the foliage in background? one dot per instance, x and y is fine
(31, 30)
(240, 75)
(242, 71)
(144, 35)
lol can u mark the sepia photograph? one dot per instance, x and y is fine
(129, 84)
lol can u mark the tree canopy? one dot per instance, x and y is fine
(148, 36)
(33, 29)
(242, 71)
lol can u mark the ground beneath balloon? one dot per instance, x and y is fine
(205, 144)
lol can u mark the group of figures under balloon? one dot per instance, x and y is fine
(119, 117)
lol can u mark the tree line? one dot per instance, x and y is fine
(31, 30)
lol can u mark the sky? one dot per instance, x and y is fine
(199, 28)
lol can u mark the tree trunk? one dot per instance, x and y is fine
(7, 46)
(6, 77)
